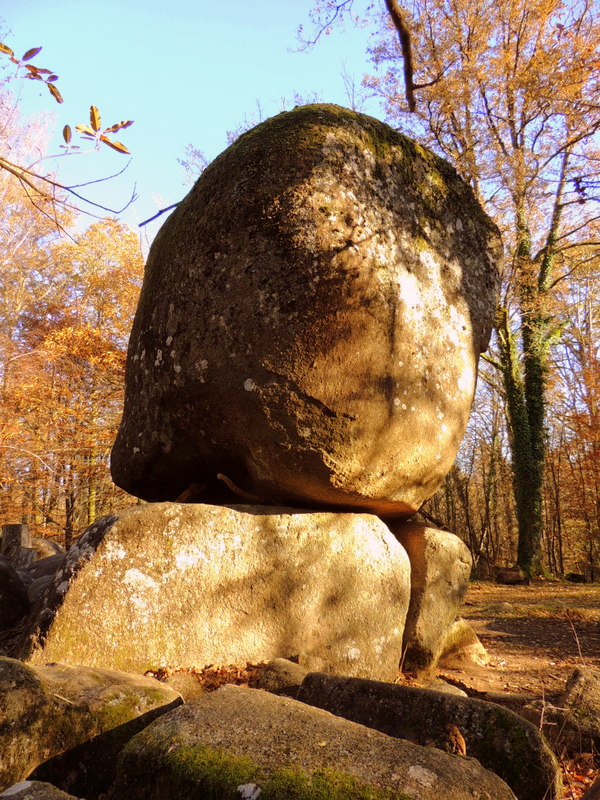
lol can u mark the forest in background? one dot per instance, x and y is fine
(514, 104)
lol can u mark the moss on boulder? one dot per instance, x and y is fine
(236, 738)
(50, 714)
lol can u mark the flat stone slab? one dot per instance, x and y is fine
(242, 740)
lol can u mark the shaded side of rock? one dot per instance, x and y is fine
(186, 584)
(48, 711)
(14, 599)
(319, 239)
(48, 565)
(440, 566)
(236, 737)
(501, 740)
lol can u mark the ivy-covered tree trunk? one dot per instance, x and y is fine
(525, 378)
(527, 470)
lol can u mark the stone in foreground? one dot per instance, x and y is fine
(35, 790)
(501, 740)
(575, 721)
(242, 740)
(185, 584)
(51, 711)
(310, 323)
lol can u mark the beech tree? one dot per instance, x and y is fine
(508, 91)
(63, 370)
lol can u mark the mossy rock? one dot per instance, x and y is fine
(499, 739)
(58, 720)
(245, 739)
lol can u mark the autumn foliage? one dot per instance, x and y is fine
(65, 311)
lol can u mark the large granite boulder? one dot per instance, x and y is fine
(440, 566)
(501, 740)
(58, 720)
(310, 323)
(244, 743)
(176, 584)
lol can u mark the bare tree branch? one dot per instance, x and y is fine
(399, 22)
(158, 214)
(27, 176)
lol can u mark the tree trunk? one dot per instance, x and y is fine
(527, 468)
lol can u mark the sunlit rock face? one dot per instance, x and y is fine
(175, 583)
(310, 323)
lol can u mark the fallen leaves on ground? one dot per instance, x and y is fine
(213, 676)
(578, 775)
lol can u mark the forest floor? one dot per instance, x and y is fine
(535, 636)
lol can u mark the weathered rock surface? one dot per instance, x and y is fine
(281, 676)
(48, 565)
(502, 741)
(440, 566)
(194, 584)
(575, 720)
(46, 548)
(461, 646)
(310, 322)
(46, 712)
(35, 790)
(236, 737)
(581, 701)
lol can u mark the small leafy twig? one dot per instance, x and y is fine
(33, 73)
(94, 132)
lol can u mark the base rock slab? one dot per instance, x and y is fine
(184, 584)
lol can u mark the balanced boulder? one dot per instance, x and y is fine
(310, 323)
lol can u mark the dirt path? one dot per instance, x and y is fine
(535, 636)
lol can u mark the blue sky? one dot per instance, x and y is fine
(185, 72)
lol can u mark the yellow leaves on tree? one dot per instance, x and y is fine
(62, 369)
